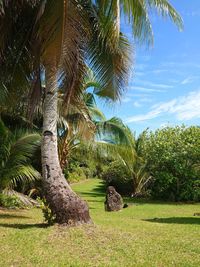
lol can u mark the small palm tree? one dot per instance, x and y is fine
(118, 142)
(16, 151)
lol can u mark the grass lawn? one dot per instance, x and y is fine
(144, 234)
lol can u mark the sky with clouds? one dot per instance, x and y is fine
(164, 88)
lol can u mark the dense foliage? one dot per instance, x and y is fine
(173, 158)
(85, 162)
(164, 164)
(117, 175)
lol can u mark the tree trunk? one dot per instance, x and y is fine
(67, 207)
(117, 18)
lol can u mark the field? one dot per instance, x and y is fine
(144, 234)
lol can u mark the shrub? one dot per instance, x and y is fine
(10, 201)
(173, 158)
(117, 175)
(77, 171)
(48, 215)
(76, 175)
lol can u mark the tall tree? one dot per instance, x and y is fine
(58, 37)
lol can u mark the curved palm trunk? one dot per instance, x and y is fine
(67, 207)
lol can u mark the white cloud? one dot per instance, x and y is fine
(158, 71)
(144, 89)
(189, 79)
(140, 95)
(157, 85)
(141, 102)
(126, 100)
(174, 81)
(137, 104)
(175, 64)
(184, 108)
(144, 117)
(188, 107)
(146, 100)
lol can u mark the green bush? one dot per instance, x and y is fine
(76, 175)
(79, 170)
(10, 201)
(117, 175)
(173, 159)
(48, 215)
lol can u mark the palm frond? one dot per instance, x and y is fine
(25, 200)
(166, 10)
(111, 66)
(15, 160)
(18, 174)
(138, 16)
(115, 130)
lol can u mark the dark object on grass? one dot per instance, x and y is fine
(197, 214)
(114, 200)
(125, 206)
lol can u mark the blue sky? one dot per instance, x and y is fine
(164, 88)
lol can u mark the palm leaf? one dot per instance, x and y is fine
(15, 161)
(115, 130)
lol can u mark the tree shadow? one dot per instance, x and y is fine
(101, 188)
(94, 201)
(24, 226)
(98, 191)
(175, 220)
(92, 194)
(13, 216)
(144, 201)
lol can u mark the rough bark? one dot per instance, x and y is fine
(67, 207)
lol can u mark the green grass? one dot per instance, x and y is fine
(144, 234)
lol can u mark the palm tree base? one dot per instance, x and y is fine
(68, 208)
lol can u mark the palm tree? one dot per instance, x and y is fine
(55, 28)
(118, 142)
(58, 37)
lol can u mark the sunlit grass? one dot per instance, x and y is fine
(144, 234)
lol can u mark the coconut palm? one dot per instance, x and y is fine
(58, 37)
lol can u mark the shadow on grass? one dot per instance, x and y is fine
(144, 201)
(98, 191)
(175, 220)
(24, 226)
(12, 216)
(92, 194)
(95, 201)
